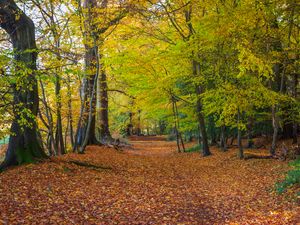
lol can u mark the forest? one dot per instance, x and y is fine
(149, 112)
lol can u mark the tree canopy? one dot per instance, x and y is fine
(193, 69)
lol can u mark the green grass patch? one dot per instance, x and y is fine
(171, 138)
(292, 178)
(196, 148)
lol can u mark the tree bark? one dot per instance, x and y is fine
(223, 143)
(85, 134)
(91, 61)
(129, 126)
(176, 126)
(59, 141)
(24, 143)
(250, 142)
(275, 130)
(201, 120)
(94, 69)
(239, 138)
(295, 124)
(212, 131)
(275, 119)
(139, 131)
(103, 127)
(80, 125)
(90, 121)
(278, 85)
(70, 117)
(198, 89)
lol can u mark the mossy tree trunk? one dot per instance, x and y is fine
(24, 143)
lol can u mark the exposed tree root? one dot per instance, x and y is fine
(89, 165)
(253, 156)
(114, 143)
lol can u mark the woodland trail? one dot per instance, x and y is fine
(148, 183)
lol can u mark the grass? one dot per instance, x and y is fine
(195, 148)
(292, 178)
(171, 138)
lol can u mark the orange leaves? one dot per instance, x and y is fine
(149, 183)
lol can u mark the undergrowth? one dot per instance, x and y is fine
(292, 178)
(195, 148)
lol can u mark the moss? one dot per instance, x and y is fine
(24, 155)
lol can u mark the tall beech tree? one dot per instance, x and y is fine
(91, 73)
(97, 21)
(24, 143)
(109, 21)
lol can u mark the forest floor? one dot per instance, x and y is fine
(149, 183)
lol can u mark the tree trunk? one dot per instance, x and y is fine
(91, 70)
(59, 141)
(205, 147)
(198, 89)
(129, 126)
(91, 117)
(278, 85)
(70, 117)
(275, 119)
(103, 125)
(239, 138)
(24, 143)
(92, 66)
(232, 138)
(93, 35)
(295, 124)
(275, 130)
(86, 127)
(79, 135)
(176, 126)
(139, 132)
(250, 142)
(223, 143)
(201, 121)
(212, 131)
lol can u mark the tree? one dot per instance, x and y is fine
(24, 143)
(96, 23)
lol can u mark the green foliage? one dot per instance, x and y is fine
(292, 178)
(236, 64)
(148, 59)
(171, 137)
(196, 148)
(119, 121)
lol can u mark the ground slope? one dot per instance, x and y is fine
(147, 184)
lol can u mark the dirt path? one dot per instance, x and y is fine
(147, 184)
